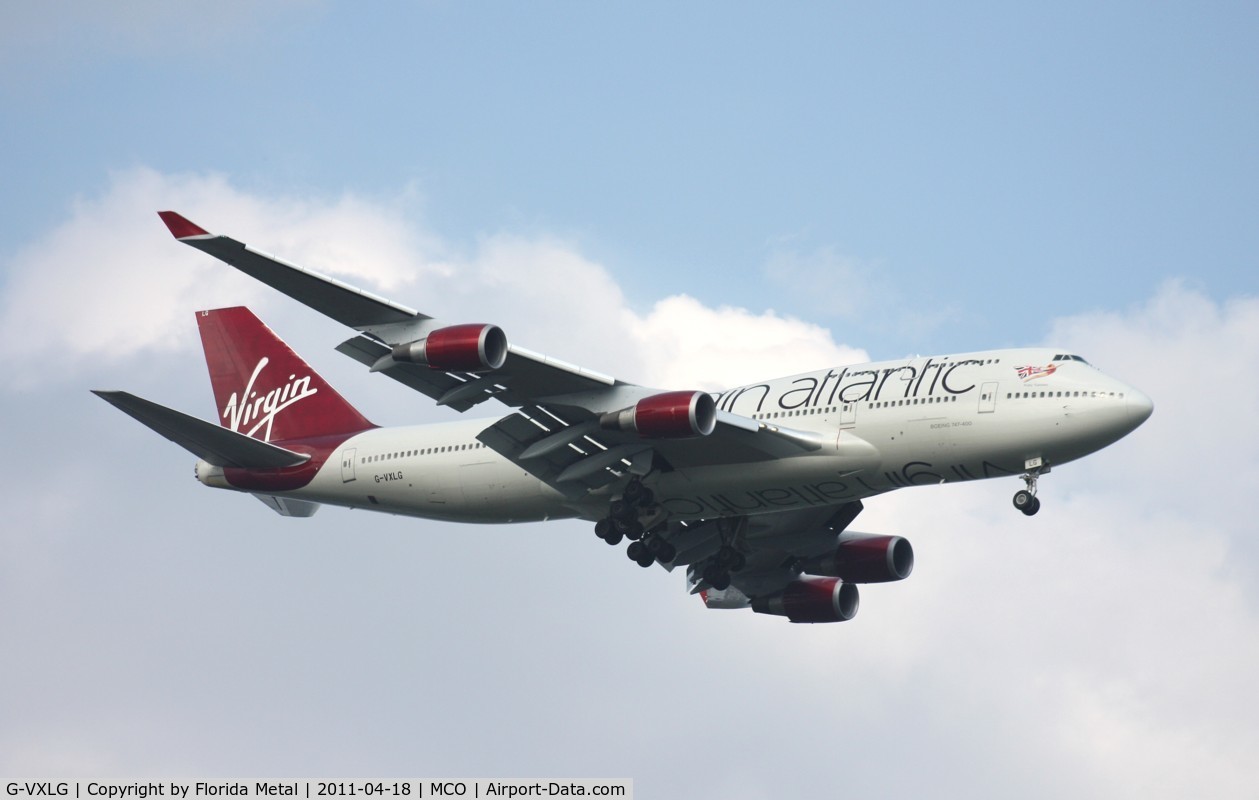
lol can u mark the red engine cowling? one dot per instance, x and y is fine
(865, 558)
(458, 348)
(812, 599)
(671, 415)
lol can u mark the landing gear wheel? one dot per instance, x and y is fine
(633, 492)
(622, 509)
(1026, 502)
(636, 550)
(647, 560)
(661, 549)
(603, 527)
(717, 577)
(613, 537)
(631, 529)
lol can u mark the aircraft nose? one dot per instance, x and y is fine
(1139, 407)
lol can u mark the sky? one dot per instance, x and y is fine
(682, 195)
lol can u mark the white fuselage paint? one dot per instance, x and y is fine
(885, 426)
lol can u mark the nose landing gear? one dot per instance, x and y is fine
(1025, 500)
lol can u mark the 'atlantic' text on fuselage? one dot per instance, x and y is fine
(859, 385)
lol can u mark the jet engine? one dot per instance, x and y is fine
(458, 348)
(812, 599)
(865, 558)
(671, 415)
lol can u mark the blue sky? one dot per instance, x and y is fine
(970, 164)
(693, 195)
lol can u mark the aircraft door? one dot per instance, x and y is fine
(988, 398)
(848, 415)
(347, 465)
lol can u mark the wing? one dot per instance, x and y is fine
(384, 323)
(558, 432)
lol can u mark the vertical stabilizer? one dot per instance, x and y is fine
(265, 390)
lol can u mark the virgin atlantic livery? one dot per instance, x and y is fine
(752, 489)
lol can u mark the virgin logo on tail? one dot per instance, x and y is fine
(250, 408)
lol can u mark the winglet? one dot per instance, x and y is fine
(180, 227)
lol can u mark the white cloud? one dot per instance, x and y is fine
(838, 286)
(1196, 457)
(110, 283)
(689, 344)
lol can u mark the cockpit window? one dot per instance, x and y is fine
(1064, 357)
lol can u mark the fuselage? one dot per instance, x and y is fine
(884, 426)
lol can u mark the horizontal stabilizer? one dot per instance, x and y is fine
(217, 445)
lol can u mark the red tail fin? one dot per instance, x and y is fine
(265, 390)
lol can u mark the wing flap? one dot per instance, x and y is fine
(562, 449)
(217, 445)
(452, 388)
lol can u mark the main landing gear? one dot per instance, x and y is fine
(1025, 500)
(728, 557)
(624, 521)
(717, 572)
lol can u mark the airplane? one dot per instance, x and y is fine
(752, 489)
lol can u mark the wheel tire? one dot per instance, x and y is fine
(603, 527)
(722, 582)
(666, 552)
(1033, 507)
(646, 561)
(738, 562)
(633, 491)
(635, 551)
(633, 530)
(1023, 499)
(613, 538)
(622, 510)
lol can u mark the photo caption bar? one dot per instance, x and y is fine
(391, 789)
